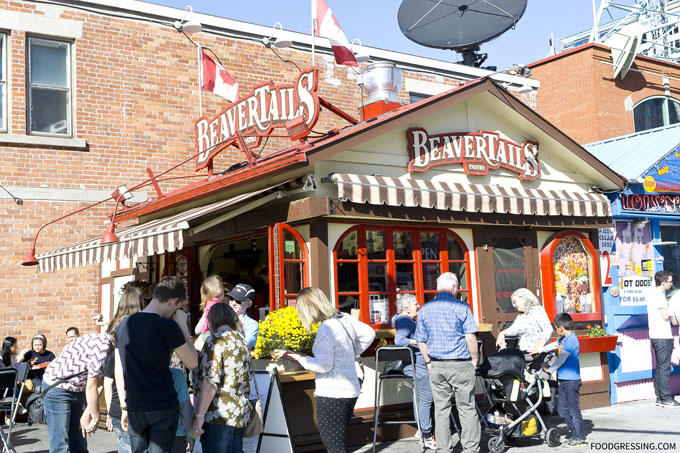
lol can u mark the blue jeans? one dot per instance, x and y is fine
(424, 394)
(569, 406)
(222, 439)
(122, 435)
(63, 410)
(152, 431)
(663, 347)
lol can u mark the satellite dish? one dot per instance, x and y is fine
(458, 25)
(625, 45)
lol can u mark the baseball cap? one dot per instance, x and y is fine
(242, 293)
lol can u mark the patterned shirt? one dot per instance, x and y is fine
(442, 324)
(531, 327)
(225, 363)
(85, 353)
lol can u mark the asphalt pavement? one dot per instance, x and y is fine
(638, 426)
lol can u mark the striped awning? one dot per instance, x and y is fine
(380, 190)
(146, 239)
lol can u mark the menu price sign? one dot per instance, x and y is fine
(635, 290)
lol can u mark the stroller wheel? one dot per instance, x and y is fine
(496, 445)
(552, 437)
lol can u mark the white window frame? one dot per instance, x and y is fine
(4, 87)
(69, 69)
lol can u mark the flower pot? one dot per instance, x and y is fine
(291, 365)
(597, 344)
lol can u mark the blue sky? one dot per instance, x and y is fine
(374, 22)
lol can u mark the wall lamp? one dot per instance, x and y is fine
(359, 54)
(519, 69)
(120, 194)
(189, 26)
(278, 42)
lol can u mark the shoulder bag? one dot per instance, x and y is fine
(358, 364)
(255, 424)
(35, 404)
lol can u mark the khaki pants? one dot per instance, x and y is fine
(455, 380)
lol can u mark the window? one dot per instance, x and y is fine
(289, 272)
(656, 112)
(415, 97)
(670, 237)
(373, 264)
(3, 82)
(49, 87)
(571, 278)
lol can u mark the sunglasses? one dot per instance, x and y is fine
(231, 299)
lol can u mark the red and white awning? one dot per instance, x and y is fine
(146, 239)
(380, 190)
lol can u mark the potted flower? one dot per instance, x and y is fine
(597, 340)
(282, 329)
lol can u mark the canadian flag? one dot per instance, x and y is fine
(327, 26)
(217, 79)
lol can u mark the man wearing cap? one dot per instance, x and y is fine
(240, 299)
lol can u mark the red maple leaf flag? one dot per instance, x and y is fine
(217, 79)
(328, 27)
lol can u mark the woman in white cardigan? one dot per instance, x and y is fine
(339, 340)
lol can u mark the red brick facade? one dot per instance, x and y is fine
(135, 100)
(579, 95)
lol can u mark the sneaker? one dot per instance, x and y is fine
(671, 403)
(430, 443)
(574, 443)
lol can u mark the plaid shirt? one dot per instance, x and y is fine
(85, 353)
(442, 324)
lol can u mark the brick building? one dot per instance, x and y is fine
(93, 94)
(580, 96)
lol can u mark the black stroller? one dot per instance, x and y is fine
(507, 383)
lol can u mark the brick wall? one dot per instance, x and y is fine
(136, 99)
(579, 95)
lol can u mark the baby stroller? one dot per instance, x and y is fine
(508, 382)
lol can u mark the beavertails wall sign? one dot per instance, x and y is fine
(267, 107)
(476, 152)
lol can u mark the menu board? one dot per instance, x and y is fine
(634, 250)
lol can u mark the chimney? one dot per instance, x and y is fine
(381, 82)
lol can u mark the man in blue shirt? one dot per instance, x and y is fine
(240, 299)
(446, 336)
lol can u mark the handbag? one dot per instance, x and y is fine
(358, 364)
(35, 403)
(255, 424)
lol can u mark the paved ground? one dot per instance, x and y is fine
(637, 426)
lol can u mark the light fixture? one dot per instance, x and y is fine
(280, 42)
(359, 54)
(519, 69)
(297, 129)
(640, 223)
(189, 26)
(121, 190)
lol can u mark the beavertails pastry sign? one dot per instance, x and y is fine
(267, 107)
(476, 152)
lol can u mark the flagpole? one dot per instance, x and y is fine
(313, 30)
(200, 82)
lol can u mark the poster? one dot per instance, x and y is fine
(634, 250)
(635, 289)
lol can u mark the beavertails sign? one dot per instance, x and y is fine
(267, 107)
(476, 152)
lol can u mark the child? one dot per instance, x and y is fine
(183, 442)
(569, 380)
